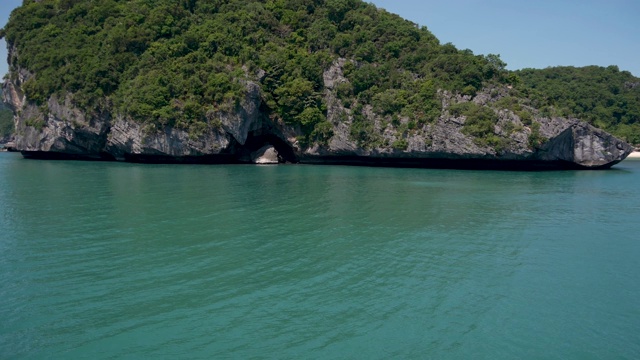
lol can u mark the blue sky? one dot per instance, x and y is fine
(525, 33)
(534, 33)
(5, 10)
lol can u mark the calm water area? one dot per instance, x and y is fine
(129, 261)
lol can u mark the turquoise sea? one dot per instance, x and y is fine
(129, 261)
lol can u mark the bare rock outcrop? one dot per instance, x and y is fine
(127, 138)
(265, 155)
(585, 146)
(246, 117)
(59, 127)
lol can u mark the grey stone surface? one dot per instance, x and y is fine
(245, 118)
(128, 137)
(265, 155)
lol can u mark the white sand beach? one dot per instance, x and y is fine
(634, 155)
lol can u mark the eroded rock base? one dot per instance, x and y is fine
(461, 164)
(272, 157)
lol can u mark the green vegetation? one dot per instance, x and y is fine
(401, 144)
(535, 138)
(6, 123)
(515, 105)
(167, 62)
(480, 123)
(605, 97)
(363, 130)
(6, 119)
(35, 122)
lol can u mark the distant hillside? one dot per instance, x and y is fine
(605, 97)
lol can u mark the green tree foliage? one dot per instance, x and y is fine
(171, 63)
(480, 124)
(605, 97)
(6, 119)
(6, 123)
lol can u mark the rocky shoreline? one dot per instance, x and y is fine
(268, 155)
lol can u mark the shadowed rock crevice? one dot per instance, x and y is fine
(254, 143)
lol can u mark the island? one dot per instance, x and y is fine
(299, 81)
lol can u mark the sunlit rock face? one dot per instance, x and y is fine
(265, 155)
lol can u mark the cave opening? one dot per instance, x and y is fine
(285, 151)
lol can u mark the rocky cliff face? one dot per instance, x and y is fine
(60, 129)
(564, 143)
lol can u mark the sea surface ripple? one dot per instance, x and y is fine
(112, 260)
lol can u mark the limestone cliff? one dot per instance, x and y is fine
(569, 143)
(60, 129)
